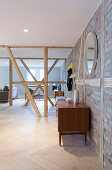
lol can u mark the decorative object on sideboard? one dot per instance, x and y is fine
(69, 100)
(76, 96)
(76, 92)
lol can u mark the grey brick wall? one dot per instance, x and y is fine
(108, 91)
(93, 93)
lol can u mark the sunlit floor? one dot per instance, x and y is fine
(29, 143)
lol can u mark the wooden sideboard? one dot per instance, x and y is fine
(72, 119)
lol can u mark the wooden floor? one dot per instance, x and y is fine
(29, 143)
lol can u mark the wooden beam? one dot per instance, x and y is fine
(41, 87)
(32, 58)
(35, 80)
(10, 83)
(43, 92)
(35, 58)
(22, 79)
(29, 82)
(47, 96)
(5, 58)
(52, 66)
(45, 81)
(22, 46)
(28, 69)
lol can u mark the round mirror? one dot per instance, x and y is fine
(90, 52)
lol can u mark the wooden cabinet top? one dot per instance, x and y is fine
(65, 104)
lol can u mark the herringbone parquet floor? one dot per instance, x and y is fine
(29, 143)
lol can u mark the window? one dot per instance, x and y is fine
(41, 74)
(29, 77)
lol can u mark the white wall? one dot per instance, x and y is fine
(55, 75)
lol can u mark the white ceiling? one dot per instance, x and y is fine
(50, 22)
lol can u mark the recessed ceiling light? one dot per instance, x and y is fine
(25, 30)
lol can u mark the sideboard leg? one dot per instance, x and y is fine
(85, 138)
(59, 138)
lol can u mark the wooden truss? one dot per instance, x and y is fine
(44, 81)
(22, 79)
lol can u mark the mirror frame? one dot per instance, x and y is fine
(95, 53)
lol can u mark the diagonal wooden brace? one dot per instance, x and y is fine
(35, 80)
(22, 79)
(41, 87)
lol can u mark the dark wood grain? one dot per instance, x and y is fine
(72, 118)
